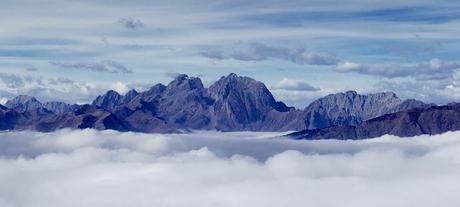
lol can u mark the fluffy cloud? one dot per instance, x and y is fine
(131, 23)
(108, 66)
(436, 69)
(294, 85)
(261, 52)
(225, 169)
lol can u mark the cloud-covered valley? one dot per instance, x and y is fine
(107, 168)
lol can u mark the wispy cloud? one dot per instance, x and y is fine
(108, 66)
(261, 52)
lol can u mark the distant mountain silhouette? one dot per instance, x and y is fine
(233, 103)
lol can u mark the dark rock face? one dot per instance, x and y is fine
(242, 103)
(350, 108)
(233, 103)
(432, 120)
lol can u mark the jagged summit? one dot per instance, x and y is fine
(184, 82)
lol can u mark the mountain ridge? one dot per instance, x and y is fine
(232, 103)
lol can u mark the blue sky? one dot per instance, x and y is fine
(74, 50)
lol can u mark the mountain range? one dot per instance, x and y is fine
(418, 121)
(233, 103)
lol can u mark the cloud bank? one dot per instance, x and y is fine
(92, 168)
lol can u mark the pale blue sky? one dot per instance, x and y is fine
(73, 50)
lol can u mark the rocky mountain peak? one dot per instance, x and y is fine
(240, 102)
(21, 99)
(233, 103)
(351, 93)
(132, 92)
(184, 82)
(112, 93)
(130, 95)
(153, 93)
(109, 100)
(233, 83)
(23, 103)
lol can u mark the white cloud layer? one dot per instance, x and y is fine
(92, 168)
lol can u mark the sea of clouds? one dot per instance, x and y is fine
(106, 168)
